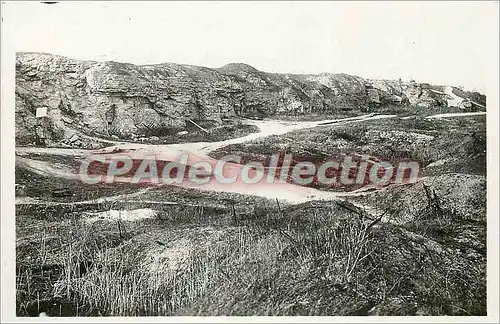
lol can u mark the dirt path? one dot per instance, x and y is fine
(266, 128)
(285, 192)
(198, 151)
(126, 197)
(457, 115)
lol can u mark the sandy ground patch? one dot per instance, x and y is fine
(123, 215)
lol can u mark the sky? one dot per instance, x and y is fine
(435, 42)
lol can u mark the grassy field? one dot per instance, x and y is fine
(417, 249)
(313, 259)
(461, 140)
(249, 257)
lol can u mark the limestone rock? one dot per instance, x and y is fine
(373, 95)
(74, 138)
(125, 100)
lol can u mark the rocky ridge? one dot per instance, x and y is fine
(122, 100)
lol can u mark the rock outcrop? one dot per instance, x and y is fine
(120, 100)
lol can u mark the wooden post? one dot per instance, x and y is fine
(235, 219)
(203, 129)
(279, 207)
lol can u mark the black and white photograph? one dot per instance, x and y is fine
(209, 160)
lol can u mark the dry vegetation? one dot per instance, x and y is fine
(311, 259)
(461, 140)
(413, 250)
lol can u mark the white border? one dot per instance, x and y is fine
(8, 222)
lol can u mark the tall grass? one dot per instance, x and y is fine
(270, 261)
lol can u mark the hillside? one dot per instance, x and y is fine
(126, 101)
